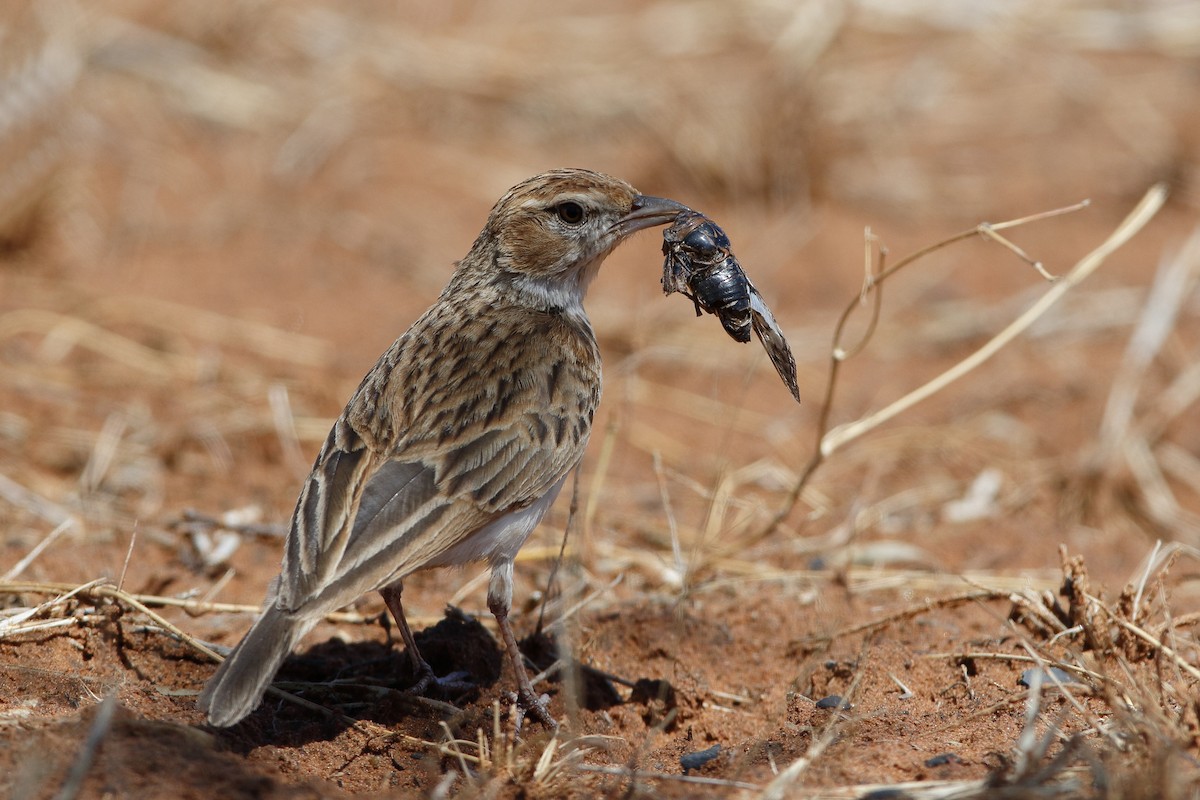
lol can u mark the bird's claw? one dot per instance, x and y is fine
(538, 707)
(452, 684)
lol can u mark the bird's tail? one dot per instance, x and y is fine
(239, 683)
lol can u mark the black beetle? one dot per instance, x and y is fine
(699, 264)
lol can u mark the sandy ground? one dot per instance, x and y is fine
(249, 202)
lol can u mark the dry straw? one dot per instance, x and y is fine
(830, 440)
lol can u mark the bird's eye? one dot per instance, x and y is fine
(570, 212)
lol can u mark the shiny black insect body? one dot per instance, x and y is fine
(700, 265)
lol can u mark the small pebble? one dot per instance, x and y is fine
(834, 701)
(691, 761)
(1048, 676)
(943, 759)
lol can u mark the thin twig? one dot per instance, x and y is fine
(910, 612)
(285, 429)
(128, 557)
(1016, 658)
(83, 761)
(572, 523)
(29, 557)
(1153, 641)
(1167, 295)
(194, 607)
(18, 495)
(829, 441)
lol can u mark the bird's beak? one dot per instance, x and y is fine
(647, 212)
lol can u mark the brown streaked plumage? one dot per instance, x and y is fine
(460, 437)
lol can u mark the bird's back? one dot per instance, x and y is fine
(485, 414)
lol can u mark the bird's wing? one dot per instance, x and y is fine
(376, 508)
(324, 515)
(763, 323)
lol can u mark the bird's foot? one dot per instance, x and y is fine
(537, 706)
(450, 685)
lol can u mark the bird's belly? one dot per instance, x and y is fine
(500, 540)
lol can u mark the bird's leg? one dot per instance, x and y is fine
(500, 603)
(391, 598)
(455, 681)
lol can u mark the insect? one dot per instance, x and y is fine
(699, 264)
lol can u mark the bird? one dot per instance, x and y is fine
(458, 440)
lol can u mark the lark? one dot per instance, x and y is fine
(460, 437)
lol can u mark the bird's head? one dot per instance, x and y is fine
(548, 235)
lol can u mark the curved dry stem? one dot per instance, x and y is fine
(870, 289)
(1133, 223)
(828, 441)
